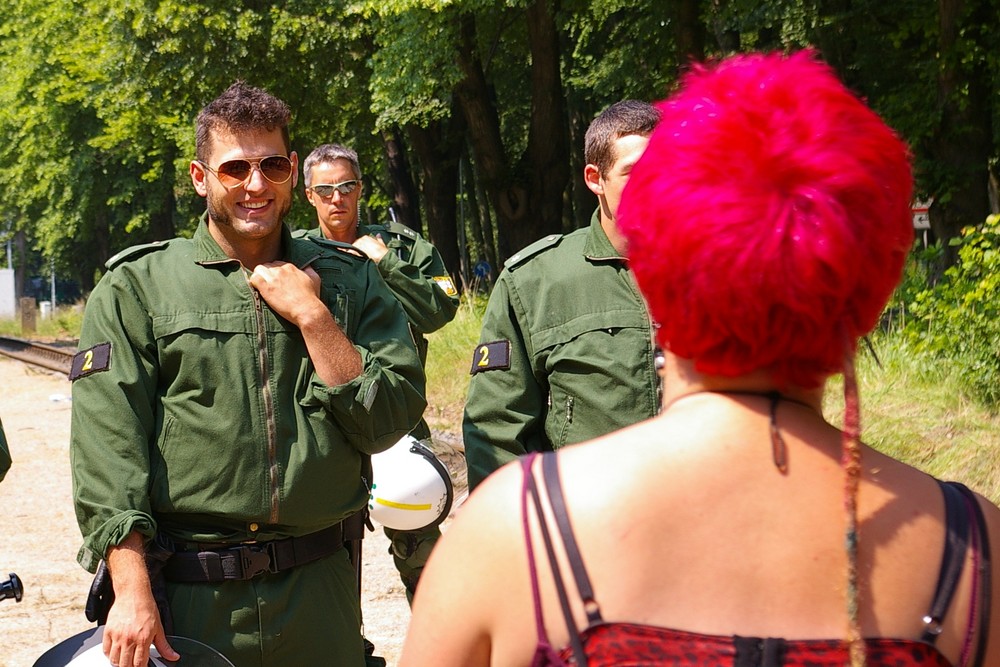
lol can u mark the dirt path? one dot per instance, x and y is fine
(39, 536)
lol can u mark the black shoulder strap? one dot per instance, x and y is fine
(981, 555)
(960, 505)
(956, 542)
(574, 634)
(553, 486)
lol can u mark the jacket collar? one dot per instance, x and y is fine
(598, 247)
(207, 251)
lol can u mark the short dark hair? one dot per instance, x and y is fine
(618, 120)
(327, 153)
(241, 108)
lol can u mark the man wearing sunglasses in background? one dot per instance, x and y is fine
(225, 393)
(416, 275)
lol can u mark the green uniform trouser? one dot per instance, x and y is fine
(410, 551)
(306, 616)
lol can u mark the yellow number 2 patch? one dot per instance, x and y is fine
(91, 360)
(491, 356)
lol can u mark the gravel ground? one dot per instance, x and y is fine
(39, 536)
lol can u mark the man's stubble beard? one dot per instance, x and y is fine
(221, 215)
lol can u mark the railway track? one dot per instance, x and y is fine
(37, 354)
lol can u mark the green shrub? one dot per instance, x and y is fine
(958, 319)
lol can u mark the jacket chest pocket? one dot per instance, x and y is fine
(339, 298)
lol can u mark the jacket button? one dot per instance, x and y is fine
(253, 527)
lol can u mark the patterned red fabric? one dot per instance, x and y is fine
(630, 645)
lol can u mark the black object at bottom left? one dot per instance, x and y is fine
(85, 650)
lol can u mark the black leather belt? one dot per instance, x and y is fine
(246, 561)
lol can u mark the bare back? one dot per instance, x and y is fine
(696, 529)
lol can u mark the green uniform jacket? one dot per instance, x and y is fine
(4, 454)
(565, 353)
(205, 418)
(417, 277)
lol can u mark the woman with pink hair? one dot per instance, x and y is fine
(768, 222)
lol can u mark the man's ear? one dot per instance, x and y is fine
(198, 176)
(592, 177)
(294, 157)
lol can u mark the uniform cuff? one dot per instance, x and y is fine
(113, 533)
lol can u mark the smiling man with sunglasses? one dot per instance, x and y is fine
(416, 275)
(227, 391)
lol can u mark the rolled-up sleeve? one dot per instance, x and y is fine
(384, 403)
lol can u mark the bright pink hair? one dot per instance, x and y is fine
(769, 218)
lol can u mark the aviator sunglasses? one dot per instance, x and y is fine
(234, 173)
(327, 189)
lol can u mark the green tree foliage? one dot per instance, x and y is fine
(99, 98)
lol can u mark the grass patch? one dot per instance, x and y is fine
(63, 324)
(919, 411)
(449, 358)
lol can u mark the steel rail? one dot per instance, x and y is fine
(37, 354)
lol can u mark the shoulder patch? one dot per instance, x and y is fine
(135, 252)
(89, 361)
(444, 282)
(550, 241)
(491, 357)
(402, 230)
(343, 248)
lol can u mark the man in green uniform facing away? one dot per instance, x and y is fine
(4, 454)
(416, 276)
(225, 392)
(566, 350)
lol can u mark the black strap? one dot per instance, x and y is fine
(960, 505)
(553, 487)
(983, 600)
(246, 561)
(574, 633)
(955, 547)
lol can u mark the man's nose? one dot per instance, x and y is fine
(255, 181)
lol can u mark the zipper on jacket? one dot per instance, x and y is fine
(265, 387)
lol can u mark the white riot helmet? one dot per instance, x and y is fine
(411, 488)
(86, 650)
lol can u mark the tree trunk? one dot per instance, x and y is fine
(488, 229)
(583, 200)
(690, 32)
(528, 200)
(961, 144)
(20, 262)
(437, 147)
(404, 192)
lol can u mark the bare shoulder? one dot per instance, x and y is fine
(479, 559)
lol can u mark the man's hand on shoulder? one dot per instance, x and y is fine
(373, 246)
(293, 293)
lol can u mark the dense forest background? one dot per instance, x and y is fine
(468, 115)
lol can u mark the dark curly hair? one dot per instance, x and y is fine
(241, 108)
